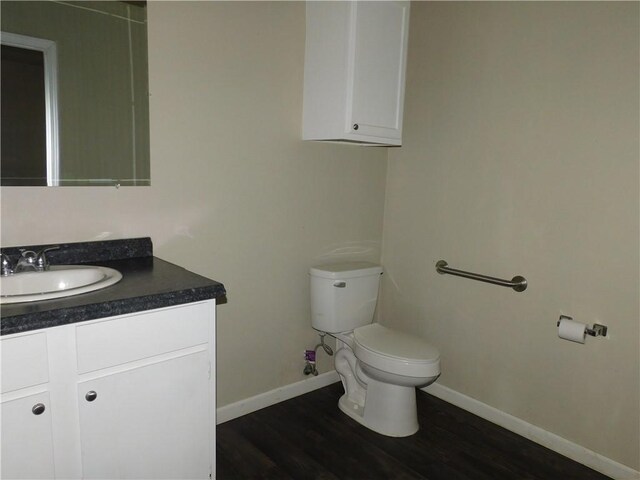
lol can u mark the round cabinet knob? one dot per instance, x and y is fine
(355, 126)
(91, 396)
(38, 409)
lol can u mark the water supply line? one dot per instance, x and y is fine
(328, 350)
(310, 356)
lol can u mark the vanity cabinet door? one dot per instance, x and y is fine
(27, 441)
(148, 422)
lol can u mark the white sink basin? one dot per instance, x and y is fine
(60, 281)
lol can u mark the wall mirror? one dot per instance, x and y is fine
(75, 101)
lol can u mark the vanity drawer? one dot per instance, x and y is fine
(24, 362)
(139, 336)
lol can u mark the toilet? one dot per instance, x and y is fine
(380, 368)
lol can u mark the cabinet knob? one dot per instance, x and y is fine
(355, 126)
(91, 396)
(38, 409)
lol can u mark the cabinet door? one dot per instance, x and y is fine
(148, 422)
(27, 442)
(379, 33)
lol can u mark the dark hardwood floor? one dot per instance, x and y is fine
(309, 438)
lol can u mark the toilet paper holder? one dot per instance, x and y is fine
(597, 330)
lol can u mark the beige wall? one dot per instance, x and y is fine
(520, 156)
(235, 195)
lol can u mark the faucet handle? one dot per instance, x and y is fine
(41, 259)
(7, 267)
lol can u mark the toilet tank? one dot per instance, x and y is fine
(343, 295)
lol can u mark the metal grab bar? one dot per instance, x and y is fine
(518, 283)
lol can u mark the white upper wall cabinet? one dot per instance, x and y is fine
(354, 72)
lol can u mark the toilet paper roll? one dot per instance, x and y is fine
(572, 330)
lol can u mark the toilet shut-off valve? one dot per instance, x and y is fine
(310, 365)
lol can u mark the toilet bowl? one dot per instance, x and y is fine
(379, 382)
(387, 355)
(379, 367)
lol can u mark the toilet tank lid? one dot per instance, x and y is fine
(345, 270)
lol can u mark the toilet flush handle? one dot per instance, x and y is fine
(340, 284)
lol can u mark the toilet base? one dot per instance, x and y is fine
(388, 409)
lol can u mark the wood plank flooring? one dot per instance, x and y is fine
(307, 437)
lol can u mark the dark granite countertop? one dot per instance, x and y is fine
(147, 283)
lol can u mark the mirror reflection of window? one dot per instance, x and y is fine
(29, 111)
(24, 152)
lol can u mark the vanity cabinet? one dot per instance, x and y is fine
(130, 397)
(147, 422)
(26, 429)
(354, 76)
(27, 444)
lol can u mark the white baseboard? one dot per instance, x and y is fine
(243, 407)
(542, 437)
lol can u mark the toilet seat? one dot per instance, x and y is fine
(395, 352)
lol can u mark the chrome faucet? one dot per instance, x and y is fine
(29, 261)
(7, 267)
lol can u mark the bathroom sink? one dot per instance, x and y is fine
(57, 282)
